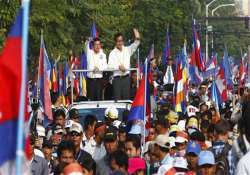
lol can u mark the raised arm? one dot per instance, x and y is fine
(136, 43)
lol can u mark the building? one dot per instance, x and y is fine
(243, 7)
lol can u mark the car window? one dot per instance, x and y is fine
(98, 112)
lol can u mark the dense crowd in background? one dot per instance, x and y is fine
(203, 140)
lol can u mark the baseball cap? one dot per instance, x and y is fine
(100, 126)
(192, 123)
(116, 123)
(68, 123)
(110, 136)
(76, 127)
(135, 164)
(162, 141)
(166, 169)
(122, 128)
(206, 157)
(193, 147)
(111, 113)
(58, 129)
(40, 130)
(182, 125)
(171, 141)
(180, 162)
(136, 129)
(73, 168)
(174, 128)
(172, 117)
(181, 137)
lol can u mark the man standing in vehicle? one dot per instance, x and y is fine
(96, 62)
(119, 59)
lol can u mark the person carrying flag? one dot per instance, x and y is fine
(96, 62)
(119, 59)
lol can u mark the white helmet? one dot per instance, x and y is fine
(111, 113)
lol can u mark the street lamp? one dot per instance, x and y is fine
(207, 6)
(215, 9)
(222, 5)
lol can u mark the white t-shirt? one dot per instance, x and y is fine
(243, 167)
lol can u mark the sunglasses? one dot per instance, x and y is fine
(75, 134)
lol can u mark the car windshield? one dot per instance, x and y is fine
(98, 112)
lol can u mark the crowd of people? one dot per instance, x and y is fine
(204, 140)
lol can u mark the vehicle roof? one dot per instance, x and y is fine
(102, 104)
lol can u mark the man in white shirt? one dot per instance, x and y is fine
(119, 59)
(96, 62)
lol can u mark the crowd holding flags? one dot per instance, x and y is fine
(57, 80)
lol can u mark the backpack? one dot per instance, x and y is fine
(221, 160)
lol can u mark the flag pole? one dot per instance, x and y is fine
(145, 104)
(138, 70)
(20, 129)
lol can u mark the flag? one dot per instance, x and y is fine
(94, 33)
(200, 63)
(54, 84)
(138, 106)
(227, 70)
(216, 96)
(44, 75)
(11, 78)
(194, 74)
(242, 73)
(82, 76)
(65, 77)
(60, 79)
(75, 62)
(180, 80)
(166, 52)
(221, 84)
(210, 67)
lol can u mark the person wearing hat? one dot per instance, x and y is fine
(76, 134)
(162, 150)
(206, 163)
(172, 117)
(180, 165)
(40, 130)
(180, 142)
(57, 133)
(122, 133)
(111, 114)
(74, 115)
(192, 152)
(73, 169)
(111, 145)
(136, 166)
(96, 149)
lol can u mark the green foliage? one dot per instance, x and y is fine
(66, 24)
